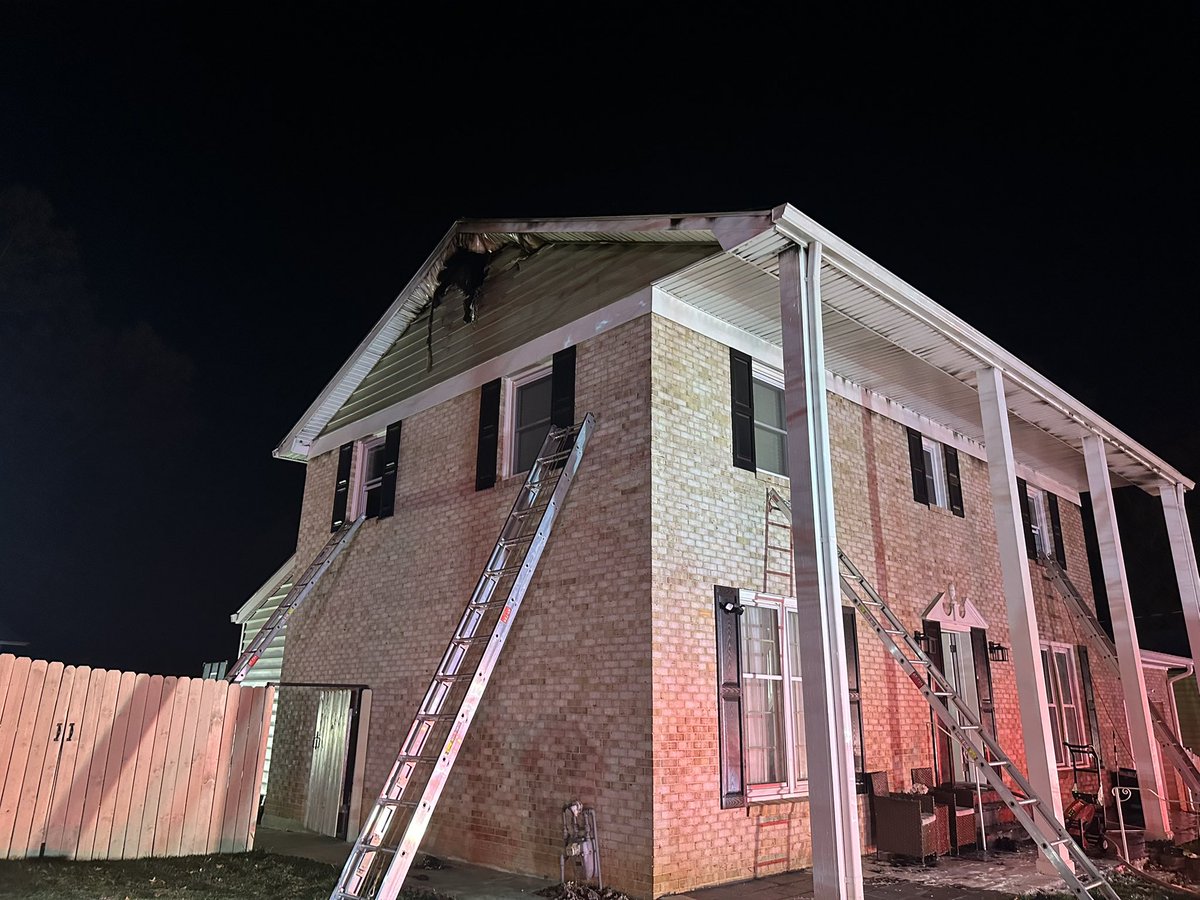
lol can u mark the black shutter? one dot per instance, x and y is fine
(341, 488)
(729, 696)
(953, 481)
(1026, 519)
(489, 435)
(1089, 698)
(854, 685)
(391, 457)
(932, 645)
(916, 460)
(562, 389)
(741, 388)
(983, 680)
(1060, 552)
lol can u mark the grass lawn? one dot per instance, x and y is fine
(241, 876)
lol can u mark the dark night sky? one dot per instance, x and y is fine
(202, 212)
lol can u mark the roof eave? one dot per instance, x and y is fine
(798, 227)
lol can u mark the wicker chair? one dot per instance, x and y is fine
(908, 824)
(964, 828)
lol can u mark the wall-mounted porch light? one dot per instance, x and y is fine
(997, 652)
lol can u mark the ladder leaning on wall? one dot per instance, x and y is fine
(1099, 639)
(384, 851)
(338, 541)
(962, 723)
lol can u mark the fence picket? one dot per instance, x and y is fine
(141, 773)
(35, 759)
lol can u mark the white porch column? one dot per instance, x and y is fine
(1183, 552)
(1018, 598)
(1129, 654)
(833, 804)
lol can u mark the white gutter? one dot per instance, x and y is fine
(798, 227)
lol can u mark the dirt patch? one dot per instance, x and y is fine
(241, 876)
(571, 890)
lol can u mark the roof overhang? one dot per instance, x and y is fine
(881, 333)
(265, 592)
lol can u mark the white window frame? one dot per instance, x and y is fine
(359, 495)
(772, 379)
(1039, 520)
(935, 473)
(791, 786)
(512, 384)
(1056, 707)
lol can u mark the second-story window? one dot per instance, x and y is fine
(935, 476)
(770, 429)
(370, 484)
(530, 419)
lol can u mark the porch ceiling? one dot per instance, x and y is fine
(898, 352)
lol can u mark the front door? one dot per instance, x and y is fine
(327, 775)
(959, 662)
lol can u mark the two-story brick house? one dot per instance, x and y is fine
(944, 466)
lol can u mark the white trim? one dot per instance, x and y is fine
(950, 620)
(264, 593)
(589, 326)
(795, 225)
(358, 484)
(1154, 660)
(512, 384)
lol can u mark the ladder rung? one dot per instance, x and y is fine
(1092, 885)
(1028, 801)
(968, 727)
(502, 571)
(997, 763)
(555, 457)
(525, 513)
(523, 539)
(893, 631)
(418, 757)
(943, 693)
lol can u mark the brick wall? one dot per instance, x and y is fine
(568, 711)
(607, 690)
(707, 521)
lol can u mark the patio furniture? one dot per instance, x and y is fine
(964, 827)
(907, 824)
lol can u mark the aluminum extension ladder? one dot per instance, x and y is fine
(961, 722)
(1173, 750)
(338, 541)
(384, 851)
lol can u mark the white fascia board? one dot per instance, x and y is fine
(295, 446)
(1155, 660)
(795, 225)
(514, 360)
(767, 354)
(264, 592)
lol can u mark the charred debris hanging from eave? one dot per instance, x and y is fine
(464, 271)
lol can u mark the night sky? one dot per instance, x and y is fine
(203, 211)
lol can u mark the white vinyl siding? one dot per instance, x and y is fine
(269, 668)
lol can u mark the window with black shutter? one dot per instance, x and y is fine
(1056, 533)
(387, 479)
(1031, 549)
(728, 612)
(562, 388)
(489, 435)
(341, 489)
(741, 385)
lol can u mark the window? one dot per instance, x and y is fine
(530, 418)
(1039, 522)
(770, 429)
(761, 697)
(370, 478)
(935, 475)
(1062, 698)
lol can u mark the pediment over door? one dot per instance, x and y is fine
(954, 613)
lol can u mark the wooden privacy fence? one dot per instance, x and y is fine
(102, 764)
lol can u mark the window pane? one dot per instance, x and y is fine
(1051, 687)
(770, 450)
(529, 442)
(1065, 688)
(801, 754)
(374, 462)
(764, 731)
(533, 402)
(1071, 718)
(760, 641)
(1054, 736)
(768, 405)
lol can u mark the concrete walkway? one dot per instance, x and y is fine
(1001, 876)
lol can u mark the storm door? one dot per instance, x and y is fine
(959, 661)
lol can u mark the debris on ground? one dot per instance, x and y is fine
(429, 862)
(571, 890)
